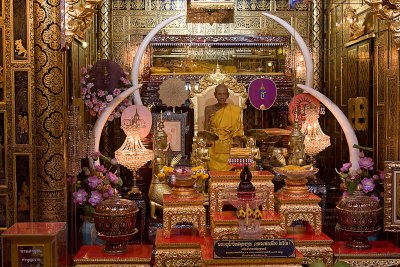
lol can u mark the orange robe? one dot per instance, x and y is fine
(226, 123)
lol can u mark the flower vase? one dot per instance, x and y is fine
(201, 185)
(88, 231)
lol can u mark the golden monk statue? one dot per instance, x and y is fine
(225, 121)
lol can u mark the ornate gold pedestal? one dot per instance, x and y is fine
(314, 247)
(224, 225)
(381, 254)
(221, 180)
(178, 210)
(182, 249)
(305, 209)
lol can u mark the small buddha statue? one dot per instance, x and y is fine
(246, 188)
(296, 145)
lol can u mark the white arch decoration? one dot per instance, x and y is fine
(351, 137)
(303, 48)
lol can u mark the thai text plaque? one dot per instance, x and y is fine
(277, 248)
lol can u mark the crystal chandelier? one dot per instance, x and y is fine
(132, 154)
(314, 139)
(80, 139)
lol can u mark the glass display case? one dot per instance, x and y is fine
(234, 54)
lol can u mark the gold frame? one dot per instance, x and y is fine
(5, 132)
(207, 84)
(6, 212)
(3, 63)
(392, 196)
(28, 35)
(31, 203)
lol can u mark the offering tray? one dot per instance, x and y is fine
(296, 179)
(237, 200)
(249, 203)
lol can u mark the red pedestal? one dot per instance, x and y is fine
(137, 255)
(37, 243)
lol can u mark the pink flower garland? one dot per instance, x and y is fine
(96, 99)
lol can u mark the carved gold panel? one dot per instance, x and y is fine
(3, 150)
(2, 65)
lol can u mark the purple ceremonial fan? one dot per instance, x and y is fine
(262, 93)
(107, 75)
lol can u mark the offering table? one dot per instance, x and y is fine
(221, 180)
(178, 210)
(305, 209)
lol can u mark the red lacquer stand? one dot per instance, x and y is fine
(137, 255)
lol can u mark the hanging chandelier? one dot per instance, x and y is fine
(315, 140)
(133, 154)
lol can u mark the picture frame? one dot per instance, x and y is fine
(176, 128)
(392, 196)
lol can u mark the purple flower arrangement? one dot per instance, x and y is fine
(363, 178)
(96, 99)
(97, 184)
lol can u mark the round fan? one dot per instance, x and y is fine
(173, 92)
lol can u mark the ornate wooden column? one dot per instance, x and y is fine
(104, 30)
(317, 42)
(49, 101)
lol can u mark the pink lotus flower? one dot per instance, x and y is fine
(100, 168)
(79, 196)
(366, 163)
(367, 184)
(94, 181)
(112, 177)
(95, 198)
(346, 167)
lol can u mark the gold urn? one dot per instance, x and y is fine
(115, 222)
(358, 217)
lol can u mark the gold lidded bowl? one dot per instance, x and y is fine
(183, 184)
(115, 222)
(296, 179)
(358, 217)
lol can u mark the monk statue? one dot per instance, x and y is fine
(225, 121)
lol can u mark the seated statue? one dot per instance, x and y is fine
(225, 121)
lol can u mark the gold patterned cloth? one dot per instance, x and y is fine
(226, 123)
